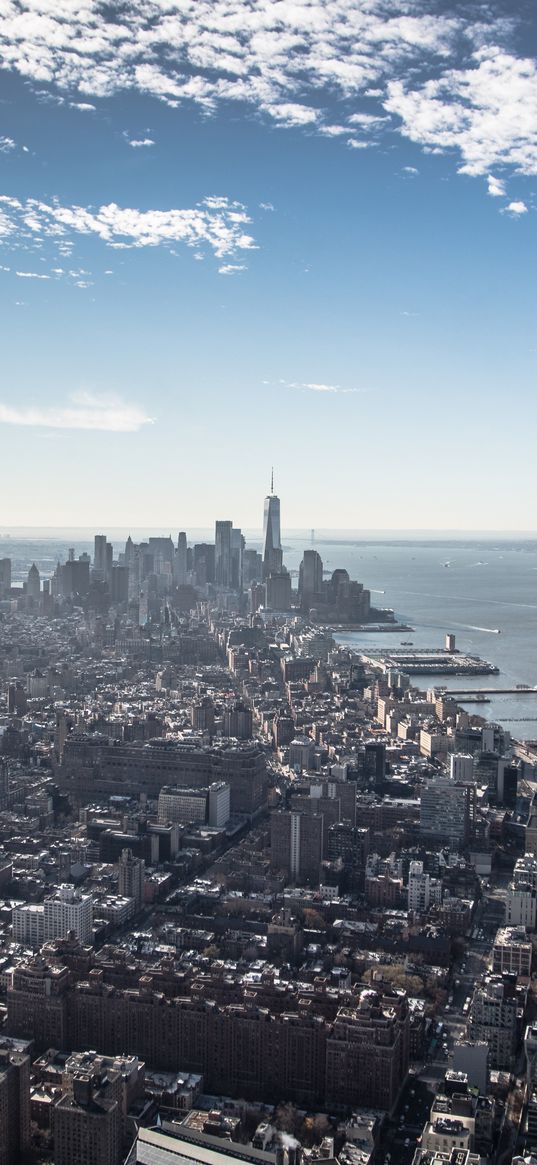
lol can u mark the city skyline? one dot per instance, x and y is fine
(301, 228)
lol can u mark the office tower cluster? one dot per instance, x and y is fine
(150, 585)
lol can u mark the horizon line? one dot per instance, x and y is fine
(11, 531)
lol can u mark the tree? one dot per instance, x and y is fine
(211, 952)
(313, 920)
(287, 1118)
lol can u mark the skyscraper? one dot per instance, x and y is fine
(180, 560)
(310, 582)
(131, 877)
(222, 555)
(237, 550)
(99, 555)
(296, 841)
(33, 583)
(5, 575)
(272, 546)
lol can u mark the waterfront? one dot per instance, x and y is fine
(489, 585)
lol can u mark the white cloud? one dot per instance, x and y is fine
(450, 81)
(218, 223)
(7, 145)
(495, 187)
(410, 170)
(290, 113)
(83, 106)
(84, 411)
(487, 112)
(275, 55)
(139, 143)
(231, 268)
(515, 208)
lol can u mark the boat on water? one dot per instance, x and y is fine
(406, 643)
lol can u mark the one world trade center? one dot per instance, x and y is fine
(272, 546)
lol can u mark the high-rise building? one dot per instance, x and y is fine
(202, 715)
(237, 551)
(5, 576)
(447, 810)
(131, 877)
(461, 767)
(218, 809)
(100, 556)
(68, 909)
(119, 583)
(222, 555)
(14, 1104)
(367, 1052)
(310, 582)
(204, 563)
(238, 721)
(375, 762)
(423, 890)
(87, 1120)
(521, 897)
(182, 805)
(33, 584)
(252, 567)
(180, 564)
(296, 841)
(278, 592)
(493, 1018)
(28, 923)
(74, 576)
(272, 546)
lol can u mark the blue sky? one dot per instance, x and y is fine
(241, 234)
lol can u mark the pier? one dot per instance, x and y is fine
(472, 692)
(431, 661)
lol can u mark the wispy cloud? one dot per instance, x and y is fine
(314, 386)
(84, 411)
(218, 223)
(7, 145)
(140, 143)
(231, 268)
(31, 275)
